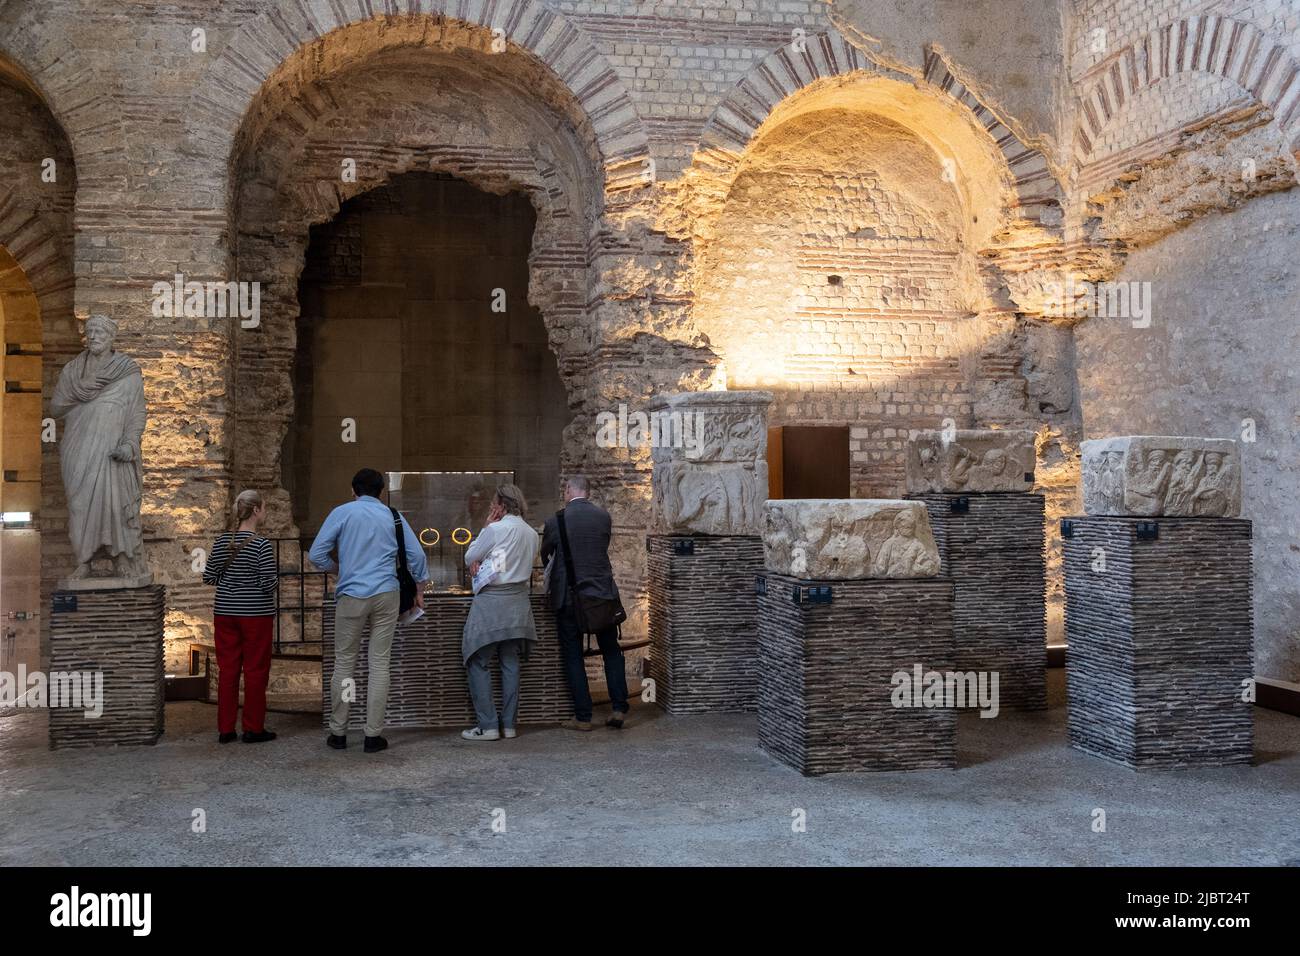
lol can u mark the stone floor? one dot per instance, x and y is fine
(664, 791)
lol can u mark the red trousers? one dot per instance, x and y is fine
(243, 644)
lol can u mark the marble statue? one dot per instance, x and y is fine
(1162, 476)
(100, 397)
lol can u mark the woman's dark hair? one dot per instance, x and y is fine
(368, 482)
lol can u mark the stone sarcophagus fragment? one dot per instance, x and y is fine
(710, 462)
(971, 461)
(1162, 476)
(843, 539)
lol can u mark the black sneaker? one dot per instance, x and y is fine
(616, 719)
(337, 741)
(375, 744)
(227, 738)
(260, 737)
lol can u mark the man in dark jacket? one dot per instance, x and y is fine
(588, 529)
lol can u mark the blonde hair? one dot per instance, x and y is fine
(512, 499)
(246, 502)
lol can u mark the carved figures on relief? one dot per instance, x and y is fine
(842, 539)
(1153, 476)
(971, 460)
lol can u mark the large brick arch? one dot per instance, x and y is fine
(84, 103)
(788, 72)
(1218, 46)
(262, 46)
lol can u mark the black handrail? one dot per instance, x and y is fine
(303, 570)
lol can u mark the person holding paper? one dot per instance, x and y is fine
(501, 617)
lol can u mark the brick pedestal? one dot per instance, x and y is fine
(991, 546)
(119, 634)
(703, 622)
(1160, 639)
(428, 686)
(826, 691)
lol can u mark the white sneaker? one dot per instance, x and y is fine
(510, 733)
(477, 733)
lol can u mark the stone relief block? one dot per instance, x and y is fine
(973, 460)
(713, 426)
(708, 498)
(840, 539)
(1170, 476)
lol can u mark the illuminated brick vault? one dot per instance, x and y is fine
(888, 218)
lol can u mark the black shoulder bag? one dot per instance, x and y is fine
(405, 582)
(594, 614)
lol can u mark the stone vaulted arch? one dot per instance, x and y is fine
(789, 71)
(244, 67)
(1210, 44)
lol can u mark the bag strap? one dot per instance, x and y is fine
(235, 551)
(401, 544)
(570, 574)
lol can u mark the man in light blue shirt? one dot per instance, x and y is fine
(358, 541)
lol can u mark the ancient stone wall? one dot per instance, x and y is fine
(1186, 119)
(947, 185)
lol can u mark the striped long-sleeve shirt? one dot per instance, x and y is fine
(247, 587)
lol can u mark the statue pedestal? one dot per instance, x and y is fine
(427, 682)
(114, 636)
(991, 546)
(703, 622)
(106, 583)
(827, 700)
(1159, 623)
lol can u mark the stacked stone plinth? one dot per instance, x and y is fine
(709, 485)
(703, 622)
(991, 546)
(117, 633)
(825, 677)
(1160, 638)
(428, 686)
(830, 646)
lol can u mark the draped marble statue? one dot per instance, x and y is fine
(100, 397)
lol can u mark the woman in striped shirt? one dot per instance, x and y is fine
(242, 566)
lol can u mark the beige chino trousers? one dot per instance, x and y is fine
(351, 617)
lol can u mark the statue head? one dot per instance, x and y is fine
(1183, 462)
(1213, 462)
(996, 459)
(100, 333)
(905, 523)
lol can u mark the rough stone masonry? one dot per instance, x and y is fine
(894, 217)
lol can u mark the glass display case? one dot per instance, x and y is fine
(445, 509)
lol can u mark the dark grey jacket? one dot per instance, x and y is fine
(588, 526)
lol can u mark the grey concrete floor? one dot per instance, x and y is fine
(664, 791)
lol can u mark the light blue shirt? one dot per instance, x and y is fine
(362, 533)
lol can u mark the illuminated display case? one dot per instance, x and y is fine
(446, 509)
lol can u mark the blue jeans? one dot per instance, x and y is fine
(480, 684)
(566, 623)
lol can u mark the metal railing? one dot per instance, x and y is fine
(296, 576)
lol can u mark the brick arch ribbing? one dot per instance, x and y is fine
(1210, 44)
(787, 71)
(258, 50)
